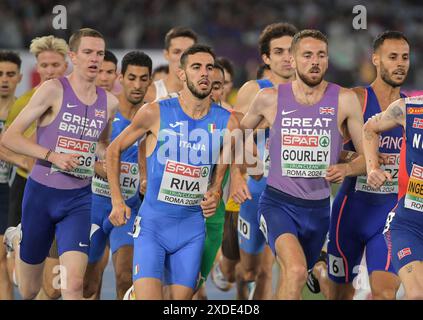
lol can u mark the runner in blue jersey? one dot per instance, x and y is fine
(359, 212)
(94, 274)
(256, 264)
(404, 225)
(74, 118)
(184, 180)
(135, 78)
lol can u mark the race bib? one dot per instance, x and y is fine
(4, 171)
(86, 150)
(266, 159)
(305, 156)
(4, 166)
(183, 184)
(414, 196)
(129, 182)
(389, 186)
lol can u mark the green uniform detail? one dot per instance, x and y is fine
(214, 237)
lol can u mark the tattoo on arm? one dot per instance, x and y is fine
(396, 112)
(409, 269)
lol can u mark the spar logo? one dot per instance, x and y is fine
(126, 168)
(300, 141)
(76, 145)
(186, 170)
(391, 159)
(417, 172)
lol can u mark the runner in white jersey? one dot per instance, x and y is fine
(10, 76)
(177, 40)
(57, 196)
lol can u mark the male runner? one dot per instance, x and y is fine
(169, 231)
(93, 278)
(359, 212)
(10, 76)
(308, 118)
(177, 40)
(73, 117)
(135, 78)
(108, 71)
(229, 76)
(263, 71)
(160, 72)
(404, 225)
(50, 53)
(256, 262)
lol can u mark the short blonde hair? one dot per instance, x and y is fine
(48, 43)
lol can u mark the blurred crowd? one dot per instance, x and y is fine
(232, 27)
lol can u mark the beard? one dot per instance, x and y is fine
(196, 93)
(384, 74)
(308, 81)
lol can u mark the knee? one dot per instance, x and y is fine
(297, 273)
(123, 278)
(51, 292)
(28, 292)
(73, 285)
(415, 293)
(384, 294)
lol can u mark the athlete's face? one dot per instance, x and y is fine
(89, 57)
(279, 58)
(51, 65)
(311, 61)
(392, 61)
(135, 83)
(106, 76)
(197, 73)
(176, 48)
(217, 81)
(228, 85)
(9, 79)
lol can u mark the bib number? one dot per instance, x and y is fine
(389, 186)
(129, 182)
(305, 156)
(414, 196)
(86, 150)
(183, 184)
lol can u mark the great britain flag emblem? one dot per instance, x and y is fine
(100, 113)
(327, 110)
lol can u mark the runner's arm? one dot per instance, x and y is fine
(142, 123)
(351, 126)
(392, 117)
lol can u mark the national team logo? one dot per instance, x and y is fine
(100, 113)
(418, 123)
(327, 110)
(403, 253)
(212, 127)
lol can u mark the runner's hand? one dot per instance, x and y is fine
(65, 161)
(377, 177)
(336, 173)
(210, 202)
(120, 214)
(143, 186)
(239, 189)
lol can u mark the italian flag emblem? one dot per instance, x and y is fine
(212, 127)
